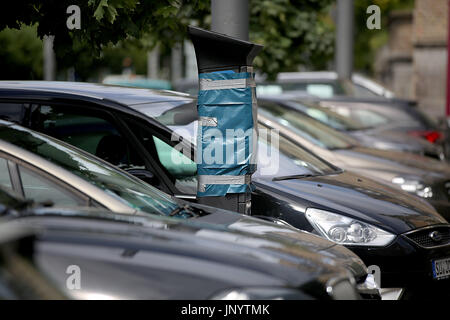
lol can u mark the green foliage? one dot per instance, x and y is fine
(20, 54)
(292, 31)
(367, 42)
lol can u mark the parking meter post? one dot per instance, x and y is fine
(227, 103)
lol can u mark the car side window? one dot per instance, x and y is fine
(40, 189)
(12, 111)
(180, 168)
(90, 131)
(5, 179)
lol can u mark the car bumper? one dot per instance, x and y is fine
(403, 264)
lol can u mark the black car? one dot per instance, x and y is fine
(93, 254)
(413, 173)
(50, 173)
(134, 128)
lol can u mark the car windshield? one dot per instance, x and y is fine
(287, 159)
(131, 191)
(324, 89)
(307, 127)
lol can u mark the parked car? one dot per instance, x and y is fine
(143, 129)
(326, 84)
(20, 278)
(137, 81)
(364, 129)
(385, 119)
(50, 174)
(421, 176)
(122, 256)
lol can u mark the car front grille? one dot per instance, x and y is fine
(431, 237)
(447, 189)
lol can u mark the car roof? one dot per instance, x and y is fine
(123, 95)
(313, 75)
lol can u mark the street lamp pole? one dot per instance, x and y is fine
(230, 17)
(344, 38)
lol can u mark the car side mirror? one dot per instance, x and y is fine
(144, 175)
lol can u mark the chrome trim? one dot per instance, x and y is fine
(391, 293)
(426, 228)
(67, 177)
(405, 235)
(185, 196)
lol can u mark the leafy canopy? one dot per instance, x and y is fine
(292, 31)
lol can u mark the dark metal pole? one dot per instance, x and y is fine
(49, 59)
(447, 109)
(230, 17)
(344, 38)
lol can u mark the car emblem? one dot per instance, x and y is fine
(435, 236)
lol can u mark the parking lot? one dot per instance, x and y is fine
(225, 150)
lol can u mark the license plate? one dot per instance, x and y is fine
(441, 268)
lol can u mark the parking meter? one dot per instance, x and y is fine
(227, 124)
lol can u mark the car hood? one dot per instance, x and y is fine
(282, 258)
(361, 198)
(302, 239)
(394, 161)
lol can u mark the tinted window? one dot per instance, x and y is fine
(12, 111)
(89, 131)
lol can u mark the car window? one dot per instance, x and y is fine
(124, 187)
(327, 116)
(40, 189)
(12, 111)
(91, 132)
(180, 168)
(367, 118)
(5, 179)
(307, 127)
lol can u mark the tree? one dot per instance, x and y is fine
(292, 31)
(20, 54)
(367, 42)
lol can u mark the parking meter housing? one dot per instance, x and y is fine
(227, 102)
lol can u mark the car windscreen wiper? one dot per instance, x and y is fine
(183, 209)
(297, 176)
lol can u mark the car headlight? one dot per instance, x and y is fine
(262, 294)
(413, 186)
(347, 231)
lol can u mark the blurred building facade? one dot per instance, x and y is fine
(414, 62)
